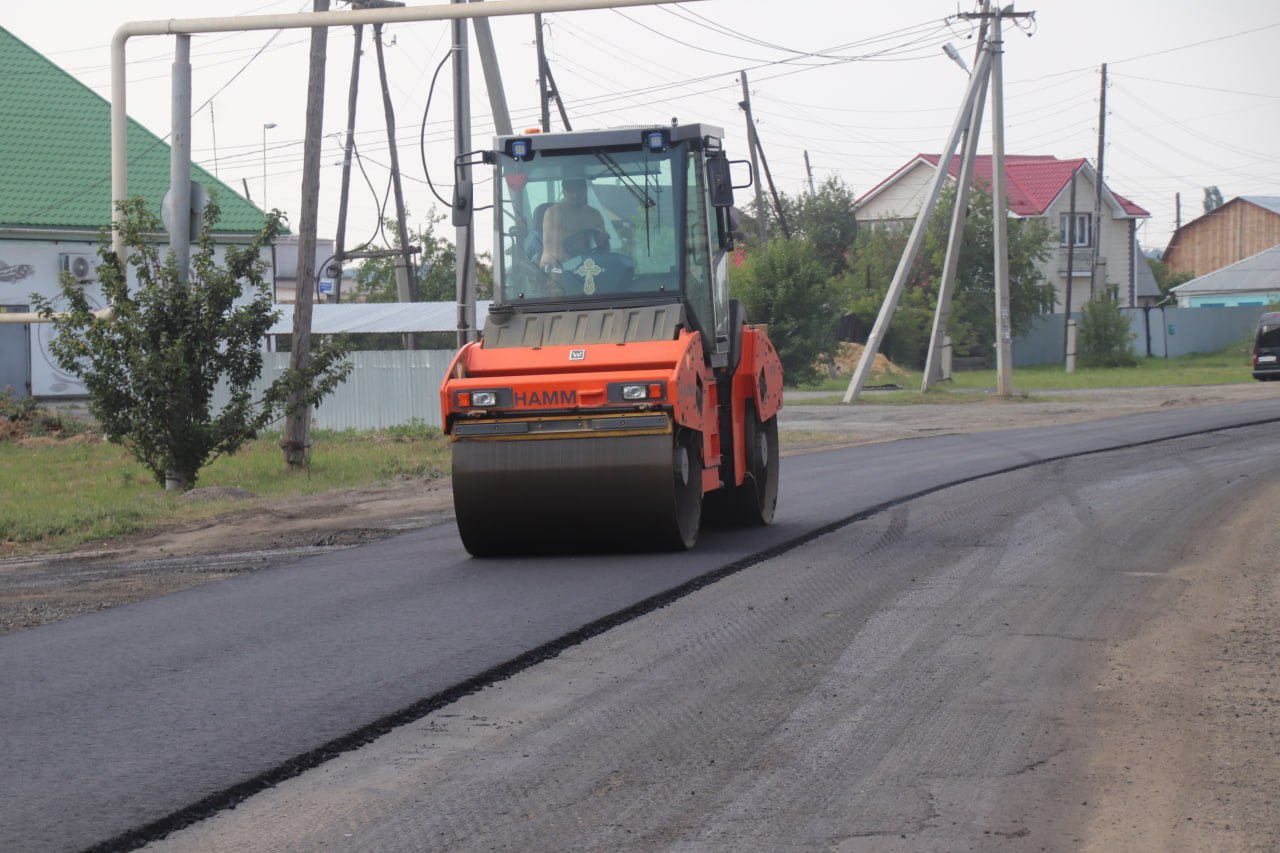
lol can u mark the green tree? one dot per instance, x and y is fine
(784, 284)
(1104, 338)
(152, 363)
(825, 218)
(1165, 279)
(1212, 199)
(435, 267)
(971, 324)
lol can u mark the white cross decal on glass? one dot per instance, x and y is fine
(588, 272)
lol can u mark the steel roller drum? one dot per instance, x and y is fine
(585, 492)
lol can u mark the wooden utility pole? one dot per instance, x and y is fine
(762, 229)
(297, 424)
(808, 169)
(406, 277)
(1097, 189)
(544, 94)
(348, 151)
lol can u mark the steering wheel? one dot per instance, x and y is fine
(586, 241)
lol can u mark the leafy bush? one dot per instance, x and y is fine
(785, 285)
(1104, 339)
(151, 365)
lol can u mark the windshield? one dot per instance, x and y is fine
(592, 224)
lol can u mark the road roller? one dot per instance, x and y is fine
(617, 395)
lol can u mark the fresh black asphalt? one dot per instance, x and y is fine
(124, 723)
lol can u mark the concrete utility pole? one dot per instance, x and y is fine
(809, 171)
(462, 220)
(180, 158)
(1000, 215)
(1071, 263)
(914, 242)
(939, 343)
(1097, 189)
(492, 75)
(297, 420)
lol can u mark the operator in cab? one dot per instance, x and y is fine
(572, 227)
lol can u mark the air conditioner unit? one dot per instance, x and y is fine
(80, 266)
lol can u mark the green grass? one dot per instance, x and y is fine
(1227, 367)
(60, 494)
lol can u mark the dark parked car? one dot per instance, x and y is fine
(1266, 347)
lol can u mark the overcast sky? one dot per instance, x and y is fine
(1194, 98)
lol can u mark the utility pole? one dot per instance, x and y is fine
(1071, 262)
(348, 151)
(1177, 207)
(406, 279)
(297, 423)
(999, 213)
(547, 82)
(462, 219)
(1097, 189)
(544, 95)
(939, 343)
(761, 228)
(492, 76)
(918, 231)
(809, 171)
(180, 158)
(773, 191)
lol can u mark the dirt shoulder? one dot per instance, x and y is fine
(36, 591)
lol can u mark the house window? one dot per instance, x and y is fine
(1083, 221)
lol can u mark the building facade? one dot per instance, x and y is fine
(1040, 186)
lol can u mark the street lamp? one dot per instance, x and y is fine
(265, 128)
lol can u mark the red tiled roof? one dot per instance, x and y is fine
(1032, 181)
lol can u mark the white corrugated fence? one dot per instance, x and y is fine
(384, 389)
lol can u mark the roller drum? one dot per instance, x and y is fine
(574, 494)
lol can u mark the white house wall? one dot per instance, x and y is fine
(34, 267)
(901, 199)
(1116, 248)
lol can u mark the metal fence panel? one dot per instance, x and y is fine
(385, 389)
(1156, 332)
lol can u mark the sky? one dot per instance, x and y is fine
(860, 88)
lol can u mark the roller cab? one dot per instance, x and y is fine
(615, 388)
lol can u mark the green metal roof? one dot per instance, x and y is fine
(55, 152)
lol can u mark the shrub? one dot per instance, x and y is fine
(1104, 339)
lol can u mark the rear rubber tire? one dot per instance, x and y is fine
(754, 502)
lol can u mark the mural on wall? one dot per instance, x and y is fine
(14, 273)
(35, 267)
